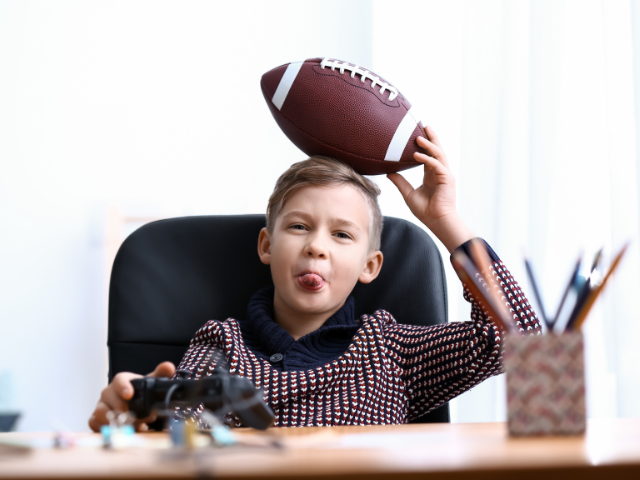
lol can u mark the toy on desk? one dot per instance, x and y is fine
(62, 438)
(221, 434)
(182, 433)
(220, 392)
(119, 433)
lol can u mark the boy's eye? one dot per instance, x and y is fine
(344, 235)
(298, 226)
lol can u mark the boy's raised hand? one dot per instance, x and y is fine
(116, 395)
(434, 202)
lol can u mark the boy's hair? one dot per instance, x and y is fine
(320, 171)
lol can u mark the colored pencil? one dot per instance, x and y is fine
(466, 270)
(538, 295)
(584, 311)
(572, 280)
(480, 257)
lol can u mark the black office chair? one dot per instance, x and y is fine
(172, 276)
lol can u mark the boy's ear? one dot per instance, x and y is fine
(372, 267)
(264, 246)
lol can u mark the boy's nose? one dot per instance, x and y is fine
(315, 250)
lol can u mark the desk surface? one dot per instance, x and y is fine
(456, 451)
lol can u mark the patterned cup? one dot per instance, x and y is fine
(545, 384)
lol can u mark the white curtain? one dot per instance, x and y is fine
(534, 101)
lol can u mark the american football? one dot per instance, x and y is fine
(338, 109)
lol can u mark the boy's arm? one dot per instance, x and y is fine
(438, 363)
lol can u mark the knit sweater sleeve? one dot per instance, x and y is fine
(206, 350)
(439, 362)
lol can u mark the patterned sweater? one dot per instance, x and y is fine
(365, 371)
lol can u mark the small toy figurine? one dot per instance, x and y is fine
(119, 433)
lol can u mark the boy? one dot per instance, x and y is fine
(317, 364)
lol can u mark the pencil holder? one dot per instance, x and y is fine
(545, 384)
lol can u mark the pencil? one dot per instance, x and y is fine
(593, 295)
(572, 280)
(481, 258)
(483, 262)
(466, 272)
(536, 293)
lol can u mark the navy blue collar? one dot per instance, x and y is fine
(275, 339)
(265, 338)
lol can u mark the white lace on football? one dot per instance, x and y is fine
(393, 93)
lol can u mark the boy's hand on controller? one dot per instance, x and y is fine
(118, 393)
(434, 202)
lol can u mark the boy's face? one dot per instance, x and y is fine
(319, 249)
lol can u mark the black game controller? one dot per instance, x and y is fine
(219, 391)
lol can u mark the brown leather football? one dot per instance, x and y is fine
(334, 108)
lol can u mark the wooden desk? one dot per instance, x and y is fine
(611, 449)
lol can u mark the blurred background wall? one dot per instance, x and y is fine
(153, 109)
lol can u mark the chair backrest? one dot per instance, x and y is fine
(172, 276)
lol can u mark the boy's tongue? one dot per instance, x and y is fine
(311, 279)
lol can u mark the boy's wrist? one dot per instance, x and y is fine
(451, 231)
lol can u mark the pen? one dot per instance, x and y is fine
(584, 293)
